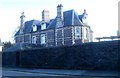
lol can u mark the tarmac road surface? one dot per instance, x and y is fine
(48, 73)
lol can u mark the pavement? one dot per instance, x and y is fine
(58, 72)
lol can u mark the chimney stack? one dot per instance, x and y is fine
(22, 20)
(59, 16)
(45, 16)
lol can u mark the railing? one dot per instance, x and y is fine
(105, 38)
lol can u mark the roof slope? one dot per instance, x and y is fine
(52, 24)
(70, 18)
(28, 26)
(67, 15)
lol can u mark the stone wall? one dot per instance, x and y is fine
(68, 37)
(95, 56)
(50, 38)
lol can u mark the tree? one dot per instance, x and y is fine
(7, 45)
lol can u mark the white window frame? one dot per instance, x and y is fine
(77, 34)
(34, 27)
(85, 33)
(34, 40)
(84, 19)
(43, 39)
(43, 26)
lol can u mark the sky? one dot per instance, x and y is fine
(102, 14)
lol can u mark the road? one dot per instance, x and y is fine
(9, 72)
(22, 73)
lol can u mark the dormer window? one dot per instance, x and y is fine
(43, 26)
(84, 18)
(34, 28)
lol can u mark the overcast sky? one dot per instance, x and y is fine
(102, 14)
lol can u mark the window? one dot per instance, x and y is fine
(43, 26)
(33, 39)
(77, 33)
(34, 28)
(42, 38)
(85, 33)
(84, 19)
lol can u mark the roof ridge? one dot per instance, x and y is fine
(69, 10)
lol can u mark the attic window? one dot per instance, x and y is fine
(43, 26)
(84, 19)
(34, 28)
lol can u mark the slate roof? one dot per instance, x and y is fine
(28, 26)
(70, 18)
(17, 33)
(52, 24)
(80, 17)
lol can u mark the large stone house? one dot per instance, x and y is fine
(67, 28)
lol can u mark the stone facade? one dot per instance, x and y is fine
(66, 29)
